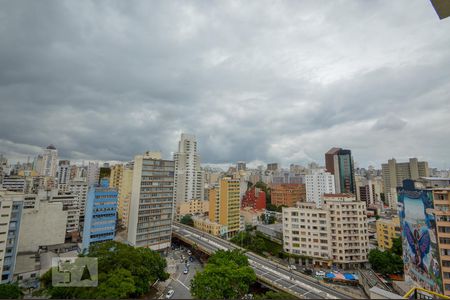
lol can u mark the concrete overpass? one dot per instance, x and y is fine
(267, 271)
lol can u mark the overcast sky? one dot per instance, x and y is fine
(255, 80)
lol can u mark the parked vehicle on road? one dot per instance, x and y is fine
(170, 294)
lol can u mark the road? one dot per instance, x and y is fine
(180, 282)
(267, 271)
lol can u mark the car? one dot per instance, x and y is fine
(187, 264)
(186, 270)
(191, 259)
(170, 294)
(189, 252)
(293, 267)
(307, 271)
(320, 273)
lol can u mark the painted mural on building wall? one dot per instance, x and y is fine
(420, 249)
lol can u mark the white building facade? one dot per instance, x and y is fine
(189, 177)
(319, 183)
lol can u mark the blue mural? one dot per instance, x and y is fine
(420, 249)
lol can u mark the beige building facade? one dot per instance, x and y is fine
(193, 207)
(204, 224)
(394, 173)
(336, 233)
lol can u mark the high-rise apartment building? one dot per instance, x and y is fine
(49, 163)
(116, 176)
(63, 174)
(335, 234)
(425, 231)
(93, 173)
(79, 188)
(124, 189)
(224, 204)
(188, 174)
(214, 203)
(349, 229)
(151, 208)
(306, 231)
(339, 162)
(387, 230)
(369, 190)
(319, 183)
(287, 194)
(11, 205)
(101, 214)
(394, 173)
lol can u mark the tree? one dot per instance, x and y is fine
(10, 291)
(271, 207)
(187, 220)
(385, 262)
(227, 275)
(274, 295)
(397, 247)
(123, 272)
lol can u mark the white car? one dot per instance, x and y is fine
(293, 267)
(320, 273)
(186, 271)
(169, 294)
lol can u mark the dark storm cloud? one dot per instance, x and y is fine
(265, 81)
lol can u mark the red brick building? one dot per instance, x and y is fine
(288, 194)
(254, 198)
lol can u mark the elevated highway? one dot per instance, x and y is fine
(267, 271)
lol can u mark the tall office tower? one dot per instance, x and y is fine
(318, 183)
(49, 163)
(224, 204)
(93, 172)
(116, 176)
(394, 173)
(101, 214)
(124, 189)
(241, 165)
(188, 174)
(151, 207)
(11, 205)
(80, 189)
(63, 174)
(339, 162)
